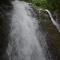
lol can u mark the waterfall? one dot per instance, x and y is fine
(53, 21)
(23, 43)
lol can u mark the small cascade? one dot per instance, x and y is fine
(53, 21)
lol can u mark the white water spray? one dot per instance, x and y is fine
(24, 44)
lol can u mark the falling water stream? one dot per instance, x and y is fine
(53, 21)
(24, 43)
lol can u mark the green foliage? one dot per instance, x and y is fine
(53, 4)
(49, 4)
(39, 3)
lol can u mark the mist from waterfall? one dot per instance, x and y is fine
(24, 43)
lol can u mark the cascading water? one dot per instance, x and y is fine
(24, 44)
(53, 21)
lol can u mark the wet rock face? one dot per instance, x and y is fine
(5, 7)
(53, 35)
(5, 4)
(3, 35)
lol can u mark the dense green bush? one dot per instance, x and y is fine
(49, 4)
(40, 3)
(53, 4)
